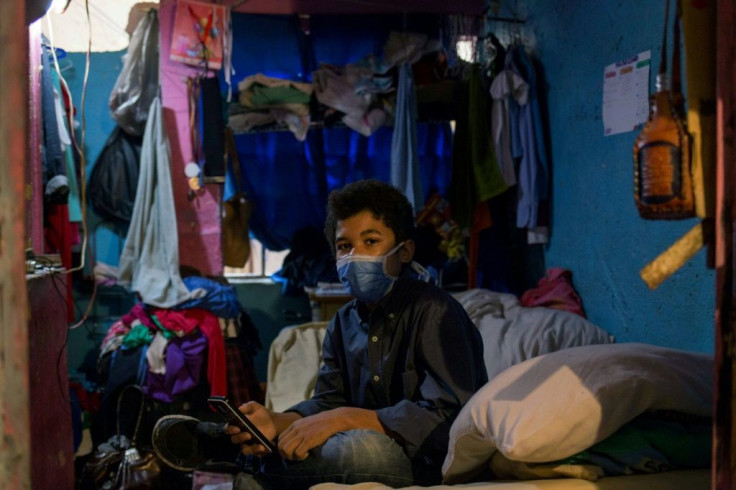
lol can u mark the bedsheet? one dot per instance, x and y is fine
(671, 480)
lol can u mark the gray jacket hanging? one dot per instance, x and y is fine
(149, 263)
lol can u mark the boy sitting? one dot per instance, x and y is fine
(398, 363)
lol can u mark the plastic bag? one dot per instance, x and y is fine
(114, 179)
(137, 84)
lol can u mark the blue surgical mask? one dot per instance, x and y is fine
(365, 276)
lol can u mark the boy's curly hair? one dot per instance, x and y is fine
(386, 202)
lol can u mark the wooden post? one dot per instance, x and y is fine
(724, 459)
(14, 396)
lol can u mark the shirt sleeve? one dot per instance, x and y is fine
(449, 369)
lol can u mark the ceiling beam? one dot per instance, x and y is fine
(471, 7)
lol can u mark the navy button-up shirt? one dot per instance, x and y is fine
(415, 359)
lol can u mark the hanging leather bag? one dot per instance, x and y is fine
(662, 177)
(236, 213)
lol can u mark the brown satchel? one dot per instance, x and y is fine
(662, 178)
(118, 463)
(235, 215)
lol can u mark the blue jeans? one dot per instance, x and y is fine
(347, 457)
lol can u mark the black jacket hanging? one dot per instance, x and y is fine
(213, 127)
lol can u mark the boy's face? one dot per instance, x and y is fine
(363, 234)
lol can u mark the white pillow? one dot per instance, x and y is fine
(513, 333)
(556, 405)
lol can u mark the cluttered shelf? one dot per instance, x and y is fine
(362, 96)
(274, 127)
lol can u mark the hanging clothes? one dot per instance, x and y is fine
(476, 176)
(404, 157)
(533, 168)
(149, 263)
(56, 186)
(58, 238)
(288, 181)
(62, 209)
(506, 87)
(64, 108)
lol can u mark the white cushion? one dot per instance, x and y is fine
(513, 333)
(556, 405)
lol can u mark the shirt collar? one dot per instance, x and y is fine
(393, 302)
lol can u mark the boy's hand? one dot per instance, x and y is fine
(263, 419)
(305, 434)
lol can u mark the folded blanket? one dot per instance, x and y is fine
(654, 442)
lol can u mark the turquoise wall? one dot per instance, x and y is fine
(106, 241)
(596, 230)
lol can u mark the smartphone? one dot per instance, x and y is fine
(237, 418)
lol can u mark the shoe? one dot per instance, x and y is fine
(186, 444)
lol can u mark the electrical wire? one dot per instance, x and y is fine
(79, 147)
(62, 350)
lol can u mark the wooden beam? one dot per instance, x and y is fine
(471, 7)
(14, 396)
(724, 458)
(34, 171)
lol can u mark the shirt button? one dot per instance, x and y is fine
(376, 378)
(391, 315)
(374, 338)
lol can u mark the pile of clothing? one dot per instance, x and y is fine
(361, 95)
(201, 347)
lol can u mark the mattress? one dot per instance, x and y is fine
(672, 480)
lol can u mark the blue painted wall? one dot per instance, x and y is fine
(106, 240)
(596, 230)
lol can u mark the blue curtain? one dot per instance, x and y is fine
(289, 181)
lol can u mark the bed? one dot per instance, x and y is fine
(672, 480)
(566, 407)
